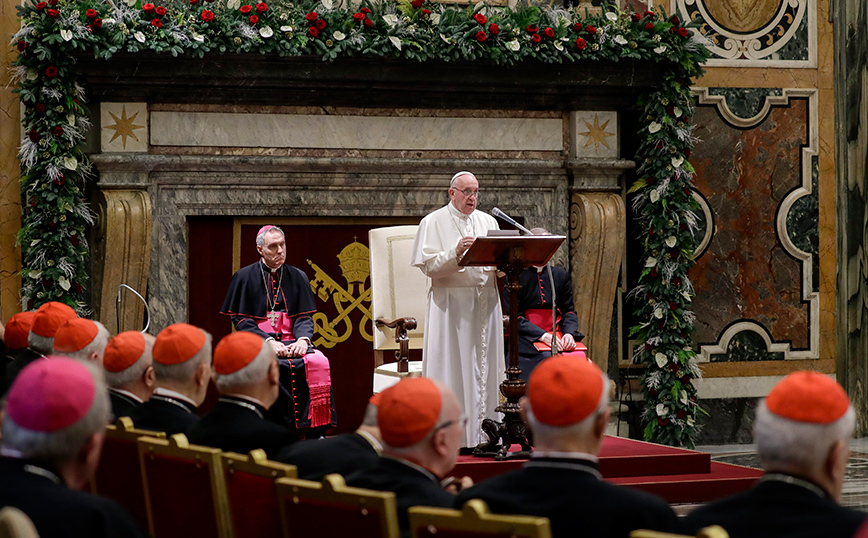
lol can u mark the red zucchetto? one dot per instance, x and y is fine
(236, 351)
(50, 395)
(564, 390)
(408, 410)
(49, 318)
(123, 351)
(75, 335)
(18, 328)
(178, 343)
(809, 397)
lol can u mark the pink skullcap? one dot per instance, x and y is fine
(564, 390)
(236, 351)
(178, 343)
(123, 351)
(50, 395)
(18, 328)
(408, 410)
(265, 229)
(49, 318)
(75, 335)
(809, 397)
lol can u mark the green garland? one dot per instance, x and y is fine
(54, 170)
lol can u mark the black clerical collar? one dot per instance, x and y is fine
(414, 466)
(574, 461)
(186, 406)
(244, 403)
(126, 395)
(32, 467)
(794, 481)
(269, 269)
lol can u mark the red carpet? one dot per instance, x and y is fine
(676, 474)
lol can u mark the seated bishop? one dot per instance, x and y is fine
(275, 301)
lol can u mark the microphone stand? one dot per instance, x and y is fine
(118, 308)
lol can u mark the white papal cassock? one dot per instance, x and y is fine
(463, 345)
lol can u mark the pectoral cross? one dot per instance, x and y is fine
(273, 317)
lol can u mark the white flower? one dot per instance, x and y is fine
(70, 119)
(197, 37)
(654, 127)
(340, 36)
(70, 163)
(64, 283)
(140, 37)
(286, 28)
(445, 39)
(686, 295)
(32, 74)
(131, 3)
(66, 34)
(266, 31)
(683, 397)
(34, 274)
(513, 45)
(690, 421)
(108, 21)
(435, 18)
(650, 262)
(233, 4)
(676, 161)
(670, 241)
(621, 40)
(660, 50)
(395, 41)
(662, 410)
(654, 196)
(559, 45)
(611, 16)
(658, 312)
(328, 4)
(391, 19)
(677, 111)
(661, 359)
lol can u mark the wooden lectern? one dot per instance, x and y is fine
(511, 254)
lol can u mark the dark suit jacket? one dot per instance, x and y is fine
(576, 500)
(238, 425)
(343, 454)
(57, 511)
(13, 368)
(164, 414)
(122, 405)
(776, 509)
(412, 485)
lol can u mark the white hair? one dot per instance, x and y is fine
(254, 372)
(61, 446)
(184, 371)
(458, 175)
(134, 371)
(39, 343)
(96, 345)
(582, 429)
(781, 442)
(260, 238)
(370, 418)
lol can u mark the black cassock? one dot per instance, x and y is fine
(253, 293)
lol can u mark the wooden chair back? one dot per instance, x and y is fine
(185, 494)
(118, 475)
(714, 531)
(332, 508)
(474, 520)
(251, 493)
(15, 524)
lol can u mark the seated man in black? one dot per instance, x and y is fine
(129, 371)
(247, 378)
(56, 412)
(802, 433)
(567, 407)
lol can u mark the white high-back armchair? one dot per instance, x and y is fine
(399, 295)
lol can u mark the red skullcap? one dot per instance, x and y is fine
(408, 410)
(49, 318)
(236, 351)
(51, 395)
(178, 343)
(375, 399)
(18, 328)
(564, 390)
(75, 335)
(123, 351)
(809, 397)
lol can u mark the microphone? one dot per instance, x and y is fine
(500, 214)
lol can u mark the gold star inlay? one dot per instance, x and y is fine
(124, 127)
(597, 134)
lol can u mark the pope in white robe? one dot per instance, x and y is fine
(463, 344)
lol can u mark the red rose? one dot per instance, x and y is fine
(57, 131)
(194, 2)
(262, 7)
(21, 45)
(313, 31)
(673, 367)
(365, 10)
(636, 17)
(649, 26)
(33, 136)
(681, 413)
(30, 304)
(480, 18)
(591, 30)
(649, 296)
(369, 23)
(40, 107)
(157, 22)
(686, 381)
(649, 181)
(531, 29)
(580, 43)
(673, 305)
(480, 36)
(652, 392)
(148, 8)
(653, 271)
(663, 421)
(687, 192)
(61, 179)
(33, 202)
(90, 13)
(245, 9)
(358, 16)
(578, 27)
(40, 6)
(687, 153)
(675, 20)
(416, 4)
(676, 281)
(682, 227)
(160, 11)
(649, 14)
(426, 12)
(683, 32)
(52, 225)
(535, 38)
(53, 13)
(661, 324)
(310, 16)
(659, 144)
(50, 71)
(74, 240)
(207, 16)
(89, 28)
(253, 20)
(97, 23)
(651, 231)
(77, 288)
(649, 347)
(549, 32)
(321, 24)
(494, 29)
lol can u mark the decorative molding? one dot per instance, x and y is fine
(706, 97)
(124, 127)
(594, 134)
(722, 344)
